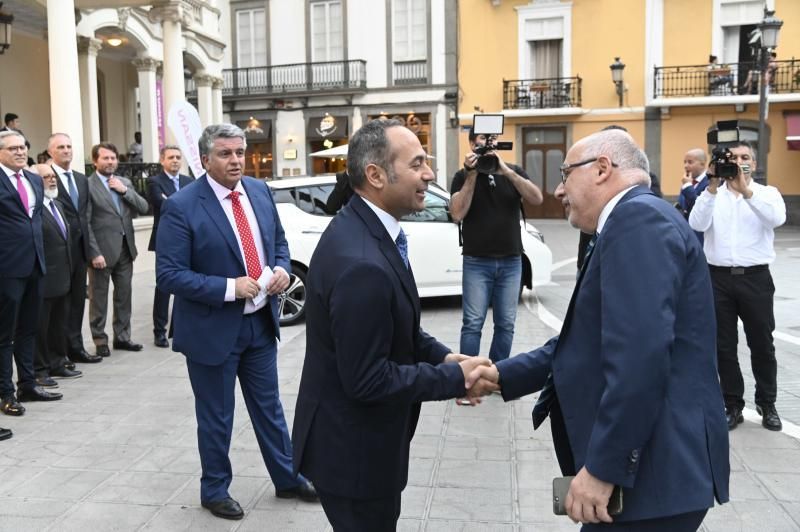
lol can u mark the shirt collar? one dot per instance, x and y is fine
(9, 172)
(222, 192)
(172, 177)
(389, 222)
(606, 212)
(59, 170)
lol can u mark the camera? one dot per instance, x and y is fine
(490, 126)
(722, 136)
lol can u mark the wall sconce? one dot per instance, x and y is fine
(617, 68)
(114, 41)
(453, 116)
(5, 30)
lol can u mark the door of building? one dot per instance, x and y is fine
(543, 151)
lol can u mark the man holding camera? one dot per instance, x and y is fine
(486, 200)
(739, 217)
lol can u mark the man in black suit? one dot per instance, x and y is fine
(21, 269)
(51, 346)
(159, 188)
(73, 198)
(366, 374)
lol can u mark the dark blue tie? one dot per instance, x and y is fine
(73, 191)
(402, 246)
(548, 395)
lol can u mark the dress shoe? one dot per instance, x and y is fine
(161, 340)
(65, 373)
(85, 358)
(769, 417)
(11, 407)
(69, 364)
(225, 508)
(37, 393)
(127, 345)
(734, 416)
(46, 382)
(305, 492)
(5, 434)
(103, 351)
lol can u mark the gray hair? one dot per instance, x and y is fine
(166, 147)
(9, 133)
(219, 131)
(620, 147)
(57, 134)
(368, 146)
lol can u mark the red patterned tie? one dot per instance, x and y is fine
(248, 244)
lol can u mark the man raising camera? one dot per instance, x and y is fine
(739, 217)
(486, 199)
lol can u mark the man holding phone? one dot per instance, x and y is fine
(738, 217)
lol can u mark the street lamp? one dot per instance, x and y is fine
(769, 29)
(5, 30)
(616, 76)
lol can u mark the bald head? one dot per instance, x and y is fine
(694, 162)
(59, 147)
(631, 162)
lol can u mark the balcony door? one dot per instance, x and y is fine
(543, 150)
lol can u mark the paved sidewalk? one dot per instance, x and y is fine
(120, 451)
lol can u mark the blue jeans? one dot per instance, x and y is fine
(490, 281)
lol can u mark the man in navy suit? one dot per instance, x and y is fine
(630, 383)
(693, 182)
(368, 363)
(218, 242)
(159, 188)
(21, 269)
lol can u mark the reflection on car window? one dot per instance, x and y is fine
(435, 210)
(313, 199)
(282, 196)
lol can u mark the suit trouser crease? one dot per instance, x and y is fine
(356, 515)
(20, 303)
(160, 311)
(254, 361)
(749, 297)
(688, 522)
(51, 339)
(77, 305)
(121, 274)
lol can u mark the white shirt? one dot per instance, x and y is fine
(222, 194)
(738, 231)
(696, 181)
(389, 222)
(46, 204)
(62, 176)
(606, 212)
(27, 184)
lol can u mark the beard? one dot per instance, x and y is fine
(51, 193)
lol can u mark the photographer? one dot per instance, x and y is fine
(489, 206)
(739, 217)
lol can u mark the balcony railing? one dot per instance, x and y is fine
(724, 80)
(411, 72)
(297, 79)
(542, 93)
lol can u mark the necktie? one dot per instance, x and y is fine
(177, 182)
(248, 244)
(545, 402)
(694, 182)
(73, 190)
(58, 219)
(23, 193)
(114, 197)
(402, 247)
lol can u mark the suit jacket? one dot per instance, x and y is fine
(368, 363)
(635, 368)
(107, 226)
(21, 243)
(198, 253)
(159, 188)
(57, 254)
(687, 198)
(77, 219)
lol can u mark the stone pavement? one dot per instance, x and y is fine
(119, 452)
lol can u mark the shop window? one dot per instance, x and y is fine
(418, 123)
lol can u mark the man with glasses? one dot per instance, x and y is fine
(488, 206)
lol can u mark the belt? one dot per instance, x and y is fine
(739, 270)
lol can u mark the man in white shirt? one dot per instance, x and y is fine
(739, 217)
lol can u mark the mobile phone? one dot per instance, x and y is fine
(561, 487)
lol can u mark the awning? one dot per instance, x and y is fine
(792, 130)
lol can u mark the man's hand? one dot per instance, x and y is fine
(279, 281)
(739, 184)
(686, 179)
(115, 184)
(246, 288)
(99, 262)
(482, 381)
(470, 160)
(587, 498)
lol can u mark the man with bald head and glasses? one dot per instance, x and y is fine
(630, 383)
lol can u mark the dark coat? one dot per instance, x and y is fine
(57, 254)
(159, 188)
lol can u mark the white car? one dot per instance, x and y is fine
(433, 247)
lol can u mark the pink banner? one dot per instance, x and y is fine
(160, 113)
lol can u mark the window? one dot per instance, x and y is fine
(326, 31)
(313, 199)
(410, 32)
(251, 38)
(545, 40)
(545, 58)
(435, 210)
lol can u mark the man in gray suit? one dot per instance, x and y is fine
(113, 203)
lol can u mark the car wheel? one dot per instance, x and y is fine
(292, 302)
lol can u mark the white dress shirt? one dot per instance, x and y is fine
(739, 232)
(389, 222)
(606, 212)
(27, 184)
(62, 176)
(46, 204)
(222, 193)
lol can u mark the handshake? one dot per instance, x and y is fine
(480, 377)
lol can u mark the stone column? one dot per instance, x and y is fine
(216, 100)
(203, 82)
(146, 68)
(171, 14)
(88, 48)
(65, 94)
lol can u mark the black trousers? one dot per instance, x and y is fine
(51, 338)
(688, 522)
(749, 296)
(358, 515)
(77, 305)
(160, 312)
(20, 300)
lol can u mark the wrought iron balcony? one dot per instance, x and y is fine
(724, 80)
(410, 72)
(542, 93)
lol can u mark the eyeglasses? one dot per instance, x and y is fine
(15, 148)
(566, 169)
